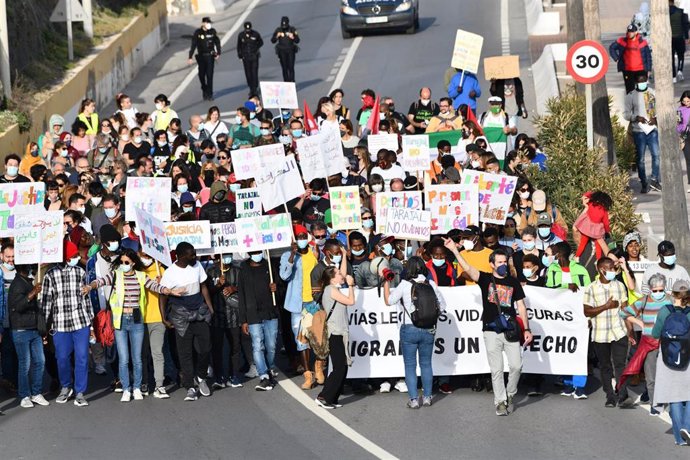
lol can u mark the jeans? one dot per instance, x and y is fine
(8, 357)
(611, 358)
(29, 346)
(130, 335)
(680, 418)
(296, 322)
(642, 142)
(496, 345)
(264, 335)
(415, 340)
(333, 386)
(65, 344)
(197, 338)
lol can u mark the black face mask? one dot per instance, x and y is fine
(208, 178)
(222, 145)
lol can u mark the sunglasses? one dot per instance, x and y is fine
(524, 189)
(657, 290)
(124, 261)
(222, 158)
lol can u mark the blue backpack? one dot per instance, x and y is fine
(675, 338)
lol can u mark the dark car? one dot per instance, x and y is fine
(362, 15)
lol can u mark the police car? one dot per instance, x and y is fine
(362, 15)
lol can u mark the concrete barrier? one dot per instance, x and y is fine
(540, 22)
(545, 79)
(176, 7)
(100, 76)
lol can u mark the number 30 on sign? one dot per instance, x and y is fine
(587, 61)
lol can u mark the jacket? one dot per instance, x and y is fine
(253, 309)
(248, 44)
(291, 273)
(634, 106)
(469, 83)
(618, 48)
(284, 43)
(226, 309)
(117, 296)
(498, 89)
(218, 213)
(684, 116)
(23, 312)
(578, 273)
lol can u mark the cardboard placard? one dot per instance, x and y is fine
(452, 206)
(152, 194)
(248, 202)
(385, 200)
(495, 194)
(248, 163)
(264, 232)
(279, 95)
(38, 238)
(24, 197)
(415, 156)
(501, 67)
(409, 224)
(153, 237)
(223, 239)
(279, 183)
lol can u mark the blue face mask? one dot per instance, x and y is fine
(368, 223)
(527, 273)
(113, 246)
(302, 243)
(642, 86)
(357, 253)
(182, 188)
(227, 260)
(256, 258)
(387, 249)
(544, 232)
(528, 245)
(408, 251)
(73, 262)
(658, 296)
(610, 276)
(315, 197)
(235, 187)
(669, 260)
(337, 259)
(546, 260)
(502, 270)
(438, 262)
(296, 133)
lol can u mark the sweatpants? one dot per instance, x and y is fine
(496, 345)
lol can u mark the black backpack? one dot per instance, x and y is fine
(427, 309)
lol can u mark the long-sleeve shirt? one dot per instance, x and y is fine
(469, 83)
(61, 297)
(647, 310)
(132, 288)
(639, 104)
(684, 113)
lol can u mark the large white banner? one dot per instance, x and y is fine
(556, 319)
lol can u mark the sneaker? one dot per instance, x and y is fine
(116, 386)
(252, 373)
(126, 396)
(477, 385)
(579, 393)
(682, 444)
(203, 387)
(160, 393)
(680, 76)
(385, 387)
(446, 389)
(535, 392)
(685, 433)
(144, 389)
(610, 402)
(625, 402)
(264, 385)
(337, 405)
(40, 400)
(234, 382)
(218, 385)
(137, 395)
(64, 395)
(488, 385)
(426, 401)
(191, 395)
(655, 185)
(675, 80)
(322, 402)
(99, 369)
(644, 189)
(273, 373)
(413, 403)
(568, 391)
(26, 403)
(654, 412)
(644, 397)
(80, 400)
(501, 409)
(401, 386)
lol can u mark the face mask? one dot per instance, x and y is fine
(187, 208)
(468, 245)
(315, 197)
(68, 143)
(337, 259)
(502, 270)
(252, 115)
(12, 171)
(296, 133)
(465, 135)
(7, 266)
(256, 258)
(138, 139)
(610, 276)
(182, 188)
(342, 133)
(495, 109)
(125, 268)
(475, 163)
(408, 251)
(265, 132)
(377, 187)
(445, 154)
(387, 249)
(285, 140)
(368, 223)
(82, 209)
(206, 26)
(146, 261)
(227, 260)
(73, 262)
(96, 200)
(124, 137)
(658, 296)
(524, 195)
(302, 243)
(238, 120)
(528, 245)
(162, 144)
(642, 86)
(509, 232)
(546, 260)
(110, 212)
(159, 106)
(34, 153)
(63, 153)
(669, 260)
(320, 241)
(113, 246)
(438, 262)
(219, 196)
(358, 253)
(382, 115)
(235, 187)
(425, 101)
(526, 272)
(544, 232)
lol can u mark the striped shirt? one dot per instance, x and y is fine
(648, 309)
(607, 326)
(61, 297)
(132, 288)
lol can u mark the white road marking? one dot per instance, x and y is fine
(346, 64)
(338, 425)
(505, 28)
(239, 22)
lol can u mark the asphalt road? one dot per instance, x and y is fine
(243, 423)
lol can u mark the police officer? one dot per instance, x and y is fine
(286, 39)
(207, 44)
(248, 43)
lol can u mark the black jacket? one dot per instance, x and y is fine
(23, 313)
(225, 308)
(248, 44)
(218, 213)
(206, 42)
(285, 43)
(256, 304)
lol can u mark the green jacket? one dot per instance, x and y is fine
(578, 273)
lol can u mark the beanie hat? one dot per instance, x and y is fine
(109, 233)
(185, 198)
(70, 250)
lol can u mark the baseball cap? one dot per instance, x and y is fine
(380, 240)
(681, 286)
(249, 105)
(632, 28)
(665, 247)
(539, 200)
(206, 19)
(496, 99)
(544, 219)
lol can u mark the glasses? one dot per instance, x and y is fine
(222, 158)
(61, 184)
(125, 261)
(265, 127)
(319, 236)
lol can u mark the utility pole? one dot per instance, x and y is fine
(4, 53)
(68, 17)
(676, 227)
(88, 20)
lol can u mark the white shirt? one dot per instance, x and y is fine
(189, 278)
(395, 171)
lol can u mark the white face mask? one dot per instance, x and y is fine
(96, 200)
(146, 261)
(468, 245)
(138, 139)
(377, 187)
(524, 195)
(124, 137)
(425, 101)
(159, 106)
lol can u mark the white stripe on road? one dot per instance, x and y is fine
(239, 22)
(505, 28)
(346, 64)
(296, 392)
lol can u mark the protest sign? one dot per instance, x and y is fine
(310, 158)
(264, 232)
(408, 224)
(195, 232)
(415, 153)
(223, 239)
(248, 202)
(555, 317)
(152, 194)
(385, 200)
(280, 182)
(248, 163)
(153, 237)
(345, 208)
(332, 148)
(17, 198)
(454, 137)
(452, 206)
(279, 95)
(501, 67)
(467, 51)
(38, 238)
(495, 194)
(376, 142)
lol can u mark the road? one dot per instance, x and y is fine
(243, 423)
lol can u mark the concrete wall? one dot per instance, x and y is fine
(177, 7)
(540, 22)
(545, 80)
(100, 76)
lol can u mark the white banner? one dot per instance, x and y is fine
(385, 200)
(415, 150)
(280, 182)
(556, 319)
(264, 232)
(248, 163)
(152, 194)
(279, 95)
(38, 238)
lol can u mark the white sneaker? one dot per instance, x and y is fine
(26, 403)
(680, 76)
(674, 80)
(401, 386)
(252, 372)
(40, 400)
(138, 396)
(160, 393)
(385, 387)
(126, 396)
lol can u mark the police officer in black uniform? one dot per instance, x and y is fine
(248, 43)
(207, 44)
(286, 39)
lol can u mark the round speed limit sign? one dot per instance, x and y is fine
(587, 61)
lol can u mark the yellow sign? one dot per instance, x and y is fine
(467, 51)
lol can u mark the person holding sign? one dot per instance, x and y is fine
(464, 89)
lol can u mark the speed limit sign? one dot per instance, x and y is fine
(587, 61)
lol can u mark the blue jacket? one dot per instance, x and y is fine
(618, 47)
(469, 83)
(291, 273)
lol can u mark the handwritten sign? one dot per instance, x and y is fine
(19, 198)
(345, 208)
(495, 194)
(501, 67)
(38, 238)
(310, 158)
(409, 224)
(195, 232)
(415, 153)
(377, 142)
(332, 148)
(152, 194)
(154, 240)
(223, 239)
(385, 200)
(467, 51)
(247, 163)
(248, 202)
(279, 183)
(264, 232)
(452, 206)
(279, 95)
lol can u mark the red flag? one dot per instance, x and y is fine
(472, 118)
(374, 118)
(310, 125)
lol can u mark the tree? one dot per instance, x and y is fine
(673, 196)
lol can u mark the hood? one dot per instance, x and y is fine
(55, 119)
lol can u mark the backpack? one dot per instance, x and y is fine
(318, 333)
(427, 309)
(556, 229)
(675, 338)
